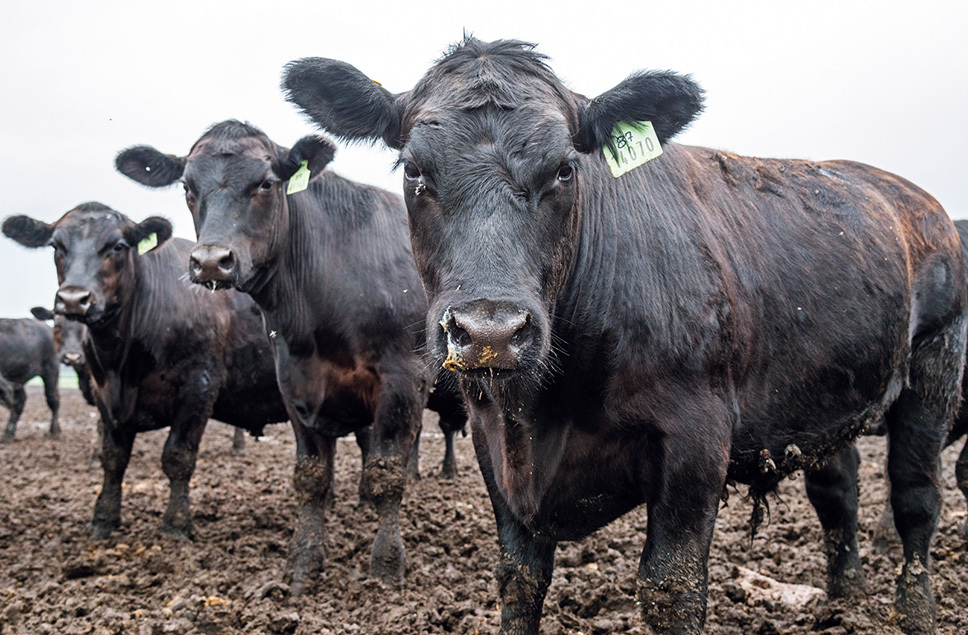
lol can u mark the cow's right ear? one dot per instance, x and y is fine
(42, 314)
(27, 231)
(343, 101)
(149, 167)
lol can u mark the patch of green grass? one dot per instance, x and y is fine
(68, 379)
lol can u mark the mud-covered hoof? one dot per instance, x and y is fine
(7, 438)
(448, 471)
(850, 585)
(388, 563)
(914, 603)
(102, 530)
(53, 433)
(302, 571)
(177, 525)
(176, 532)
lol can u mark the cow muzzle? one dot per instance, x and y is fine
(73, 301)
(71, 359)
(213, 264)
(487, 335)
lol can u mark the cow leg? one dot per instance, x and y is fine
(961, 474)
(915, 440)
(832, 489)
(116, 445)
(51, 377)
(396, 420)
(16, 407)
(364, 439)
(238, 442)
(885, 534)
(450, 427)
(178, 463)
(312, 481)
(682, 507)
(413, 466)
(525, 563)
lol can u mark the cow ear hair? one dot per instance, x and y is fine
(669, 100)
(27, 231)
(42, 314)
(316, 151)
(342, 100)
(149, 167)
(157, 225)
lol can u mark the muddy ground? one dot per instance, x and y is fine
(53, 579)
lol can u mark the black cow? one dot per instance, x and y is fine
(332, 270)
(68, 342)
(161, 351)
(27, 351)
(703, 319)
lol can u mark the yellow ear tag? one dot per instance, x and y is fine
(632, 144)
(148, 243)
(300, 180)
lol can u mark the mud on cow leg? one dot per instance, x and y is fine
(384, 478)
(115, 452)
(364, 438)
(19, 398)
(178, 463)
(832, 489)
(238, 442)
(916, 437)
(53, 399)
(523, 575)
(312, 481)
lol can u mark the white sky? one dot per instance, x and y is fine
(885, 83)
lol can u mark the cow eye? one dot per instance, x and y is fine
(566, 173)
(267, 185)
(119, 247)
(411, 171)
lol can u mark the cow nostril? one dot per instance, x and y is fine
(460, 337)
(524, 335)
(227, 262)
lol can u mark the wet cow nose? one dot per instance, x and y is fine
(71, 358)
(73, 301)
(486, 335)
(212, 263)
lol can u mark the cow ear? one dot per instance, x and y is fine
(154, 230)
(149, 167)
(27, 231)
(316, 151)
(668, 100)
(42, 314)
(342, 100)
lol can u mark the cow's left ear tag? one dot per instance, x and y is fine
(148, 243)
(300, 180)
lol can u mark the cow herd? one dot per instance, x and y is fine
(614, 337)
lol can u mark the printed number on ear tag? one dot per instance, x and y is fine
(300, 180)
(148, 243)
(631, 144)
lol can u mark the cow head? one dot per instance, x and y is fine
(494, 151)
(235, 181)
(68, 336)
(95, 249)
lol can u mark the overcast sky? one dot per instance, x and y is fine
(885, 83)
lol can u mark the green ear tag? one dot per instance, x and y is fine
(300, 180)
(148, 243)
(631, 145)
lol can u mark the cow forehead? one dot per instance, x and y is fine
(89, 224)
(244, 148)
(228, 160)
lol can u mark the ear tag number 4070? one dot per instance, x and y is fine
(631, 144)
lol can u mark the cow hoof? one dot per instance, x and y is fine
(301, 573)
(448, 472)
(7, 438)
(388, 563)
(53, 434)
(851, 585)
(914, 603)
(102, 530)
